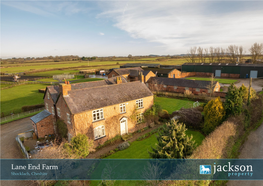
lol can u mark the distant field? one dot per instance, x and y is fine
(16, 97)
(87, 80)
(171, 104)
(223, 81)
(53, 72)
(15, 68)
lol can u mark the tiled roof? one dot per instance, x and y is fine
(140, 65)
(40, 116)
(145, 72)
(54, 90)
(122, 71)
(181, 82)
(98, 97)
(159, 70)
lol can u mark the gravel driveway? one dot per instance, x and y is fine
(257, 84)
(9, 148)
(252, 149)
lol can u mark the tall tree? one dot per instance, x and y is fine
(234, 102)
(173, 142)
(256, 51)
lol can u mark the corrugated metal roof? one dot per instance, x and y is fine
(223, 64)
(40, 116)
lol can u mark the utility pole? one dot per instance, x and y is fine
(249, 91)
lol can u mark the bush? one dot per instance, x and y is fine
(151, 115)
(111, 141)
(191, 117)
(244, 93)
(234, 102)
(255, 110)
(164, 114)
(214, 114)
(123, 146)
(32, 107)
(173, 142)
(62, 129)
(80, 146)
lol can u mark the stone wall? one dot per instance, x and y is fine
(83, 122)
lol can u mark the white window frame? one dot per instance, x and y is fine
(58, 111)
(68, 118)
(48, 96)
(197, 89)
(186, 88)
(122, 108)
(99, 132)
(175, 87)
(52, 110)
(47, 106)
(139, 118)
(139, 103)
(97, 115)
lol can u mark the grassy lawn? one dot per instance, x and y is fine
(16, 97)
(87, 80)
(171, 104)
(139, 149)
(223, 81)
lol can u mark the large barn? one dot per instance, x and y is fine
(231, 70)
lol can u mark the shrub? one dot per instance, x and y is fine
(191, 117)
(80, 146)
(164, 114)
(244, 93)
(214, 114)
(151, 115)
(22, 139)
(255, 110)
(173, 142)
(234, 102)
(32, 107)
(111, 141)
(62, 129)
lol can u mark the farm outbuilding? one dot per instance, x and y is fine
(230, 70)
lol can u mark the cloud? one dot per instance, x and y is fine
(48, 8)
(177, 26)
(101, 33)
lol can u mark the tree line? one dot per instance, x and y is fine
(231, 54)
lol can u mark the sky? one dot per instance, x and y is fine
(35, 28)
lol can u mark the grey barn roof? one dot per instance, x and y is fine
(94, 98)
(181, 82)
(40, 116)
(140, 65)
(54, 90)
(122, 71)
(159, 70)
(224, 64)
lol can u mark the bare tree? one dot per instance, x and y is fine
(191, 56)
(222, 54)
(241, 53)
(206, 55)
(211, 86)
(218, 54)
(233, 52)
(211, 55)
(200, 52)
(256, 51)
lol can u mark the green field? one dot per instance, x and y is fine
(171, 104)
(13, 99)
(87, 80)
(223, 81)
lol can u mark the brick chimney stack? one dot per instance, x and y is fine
(64, 88)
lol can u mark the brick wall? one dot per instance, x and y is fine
(44, 127)
(49, 102)
(83, 121)
(64, 110)
(187, 74)
(178, 89)
(174, 74)
(148, 76)
(112, 74)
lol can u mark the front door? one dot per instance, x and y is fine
(124, 128)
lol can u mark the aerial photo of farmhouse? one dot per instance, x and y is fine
(116, 93)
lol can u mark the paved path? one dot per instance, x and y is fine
(252, 149)
(257, 84)
(9, 148)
